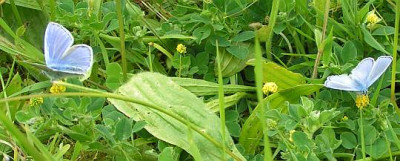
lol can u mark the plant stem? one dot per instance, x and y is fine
(321, 50)
(259, 81)
(122, 38)
(102, 48)
(395, 42)
(362, 134)
(271, 24)
(52, 10)
(221, 99)
(16, 13)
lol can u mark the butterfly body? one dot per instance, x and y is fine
(361, 77)
(62, 58)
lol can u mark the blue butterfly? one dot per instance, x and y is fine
(62, 58)
(361, 77)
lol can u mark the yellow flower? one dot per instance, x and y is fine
(35, 101)
(181, 48)
(208, 1)
(345, 118)
(55, 88)
(291, 132)
(271, 124)
(372, 18)
(362, 101)
(269, 87)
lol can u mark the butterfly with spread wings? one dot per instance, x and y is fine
(361, 77)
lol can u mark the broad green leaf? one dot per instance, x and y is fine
(27, 4)
(229, 101)
(377, 149)
(123, 129)
(262, 33)
(114, 76)
(301, 141)
(239, 51)
(202, 33)
(371, 41)
(281, 76)
(230, 64)
(370, 134)
(384, 30)
(168, 154)
(202, 88)
(349, 140)
(349, 52)
(252, 131)
(161, 91)
(243, 36)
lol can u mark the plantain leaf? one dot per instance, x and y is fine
(203, 88)
(161, 91)
(252, 131)
(230, 64)
(281, 76)
(228, 101)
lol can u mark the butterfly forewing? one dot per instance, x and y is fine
(361, 72)
(57, 41)
(380, 66)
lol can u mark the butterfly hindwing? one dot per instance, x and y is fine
(342, 82)
(77, 60)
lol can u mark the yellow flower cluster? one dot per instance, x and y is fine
(373, 18)
(271, 124)
(269, 87)
(291, 132)
(181, 48)
(345, 118)
(55, 88)
(362, 101)
(35, 101)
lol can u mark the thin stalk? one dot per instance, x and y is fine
(43, 7)
(150, 60)
(221, 100)
(395, 42)
(96, 93)
(122, 39)
(362, 134)
(388, 146)
(180, 65)
(271, 24)
(16, 13)
(5, 96)
(102, 48)
(259, 81)
(321, 50)
(52, 10)
(396, 139)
